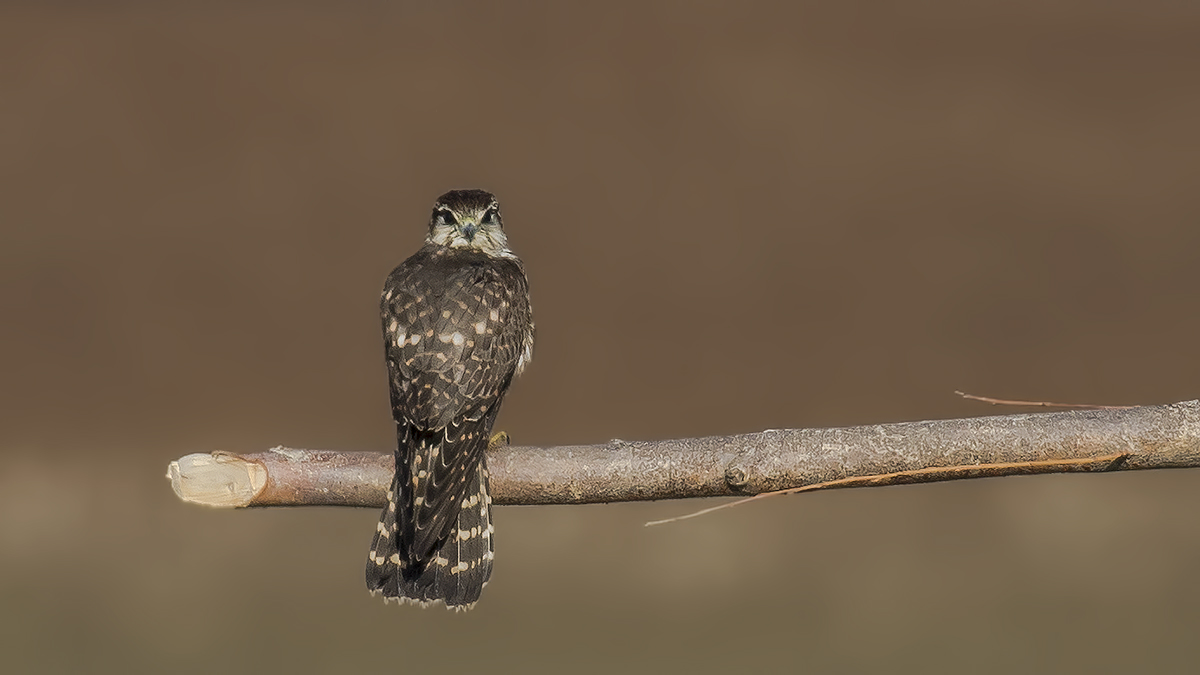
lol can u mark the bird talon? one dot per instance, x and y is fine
(498, 439)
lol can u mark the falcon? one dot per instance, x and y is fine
(457, 329)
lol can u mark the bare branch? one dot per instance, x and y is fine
(934, 474)
(1147, 437)
(1041, 404)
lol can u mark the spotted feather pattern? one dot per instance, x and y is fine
(458, 569)
(457, 328)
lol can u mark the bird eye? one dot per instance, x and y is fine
(491, 218)
(446, 218)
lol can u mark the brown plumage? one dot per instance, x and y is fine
(457, 328)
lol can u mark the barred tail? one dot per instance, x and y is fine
(461, 565)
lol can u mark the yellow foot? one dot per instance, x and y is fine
(498, 439)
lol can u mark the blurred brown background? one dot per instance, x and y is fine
(734, 217)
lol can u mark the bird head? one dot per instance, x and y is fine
(468, 219)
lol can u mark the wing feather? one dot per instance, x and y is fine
(456, 324)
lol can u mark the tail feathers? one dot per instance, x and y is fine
(461, 565)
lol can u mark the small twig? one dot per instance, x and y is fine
(1043, 404)
(930, 475)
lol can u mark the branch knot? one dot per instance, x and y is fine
(736, 478)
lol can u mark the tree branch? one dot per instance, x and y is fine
(1147, 437)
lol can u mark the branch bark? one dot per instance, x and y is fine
(1146, 437)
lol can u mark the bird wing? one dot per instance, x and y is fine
(455, 325)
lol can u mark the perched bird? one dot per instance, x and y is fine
(457, 328)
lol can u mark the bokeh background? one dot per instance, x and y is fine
(734, 216)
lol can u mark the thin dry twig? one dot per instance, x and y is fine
(1147, 437)
(929, 475)
(1042, 404)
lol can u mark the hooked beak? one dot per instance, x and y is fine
(468, 230)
